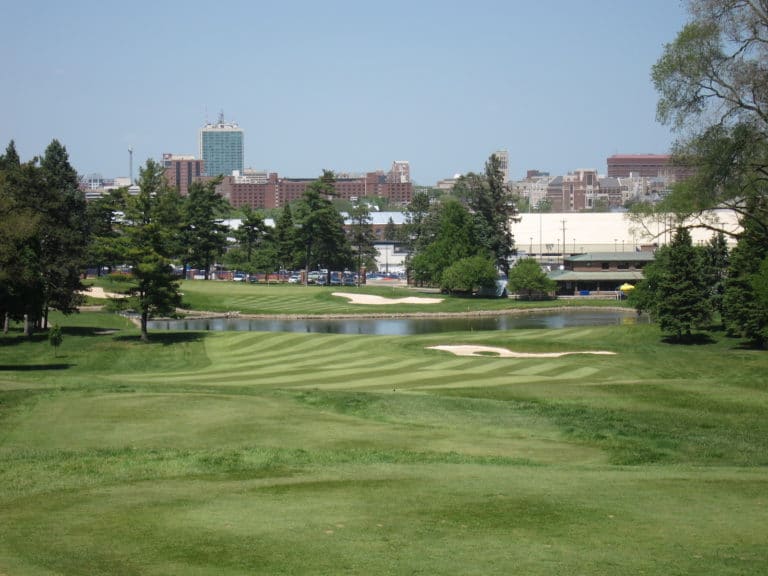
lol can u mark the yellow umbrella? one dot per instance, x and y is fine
(626, 287)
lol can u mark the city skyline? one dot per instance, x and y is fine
(342, 86)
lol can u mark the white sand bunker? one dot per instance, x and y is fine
(467, 350)
(98, 292)
(378, 300)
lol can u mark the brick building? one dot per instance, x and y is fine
(277, 192)
(646, 165)
(181, 170)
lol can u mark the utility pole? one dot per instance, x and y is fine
(130, 165)
(563, 223)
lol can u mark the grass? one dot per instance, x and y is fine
(285, 453)
(296, 299)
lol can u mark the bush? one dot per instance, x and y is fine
(529, 281)
(469, 275)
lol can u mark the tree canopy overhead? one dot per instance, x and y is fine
(713, 86)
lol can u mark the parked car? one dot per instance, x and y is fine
(294, 279)
(238, 277)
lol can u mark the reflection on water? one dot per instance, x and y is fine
(408, 326)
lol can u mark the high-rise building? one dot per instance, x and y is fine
(221, 148)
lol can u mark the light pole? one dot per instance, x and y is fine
(615, 245)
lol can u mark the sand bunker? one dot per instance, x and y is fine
(98, 292)
(467, 350)
(378, 300)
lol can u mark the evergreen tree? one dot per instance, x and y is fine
(321, 231)
(492, 203)
(152, 228)
(105, 248)
(362, 238)
(745, 313)
(63, 238)
(674, 290)
(18, 225)
(285, 241)
(715, 270)
(205, 236)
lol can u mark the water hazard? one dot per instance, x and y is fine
(408, 326)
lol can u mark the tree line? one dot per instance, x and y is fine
(463, 240)
(49, 236)
(712, 85)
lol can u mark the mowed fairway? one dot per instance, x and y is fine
(280, 453)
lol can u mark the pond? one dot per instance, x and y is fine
(409, 326)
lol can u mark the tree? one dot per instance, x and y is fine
(715, 269)
(321, 228)
(55, 337)
(255, 248)
(47, 262)
(473, 274)
(529, 281)
(674, 291)
(452, 234)
(205, 236)
(251, 232)
(104, 248)
(285, 241)
(362, 238)
(415, 229)
(63, 233)
(745, 311)
(711, 82)
(390, 231)
(491, 200)
(152, 228)
(18, 226)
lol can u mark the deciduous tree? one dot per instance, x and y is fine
(529, 281)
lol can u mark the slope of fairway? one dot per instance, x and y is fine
(285, 453)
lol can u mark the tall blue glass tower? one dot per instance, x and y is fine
(221, 148)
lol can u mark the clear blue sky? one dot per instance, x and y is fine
(348, 85)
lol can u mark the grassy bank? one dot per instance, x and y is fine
(284, 453)
(296, 299)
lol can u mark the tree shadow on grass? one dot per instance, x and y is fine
(34, 367)
(14, 338)
(88, 331)
(164, 338)
(698, 339)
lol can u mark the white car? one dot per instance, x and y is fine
(294, 279)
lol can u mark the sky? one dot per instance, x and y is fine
(344, 85)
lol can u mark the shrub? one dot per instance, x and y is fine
(469, 275)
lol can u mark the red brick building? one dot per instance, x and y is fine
(277, 192)
(182, 170)
(646, 165)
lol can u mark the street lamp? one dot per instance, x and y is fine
(615, 245)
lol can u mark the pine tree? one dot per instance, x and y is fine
(683, 300)
(745, 314)
(152, 228)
